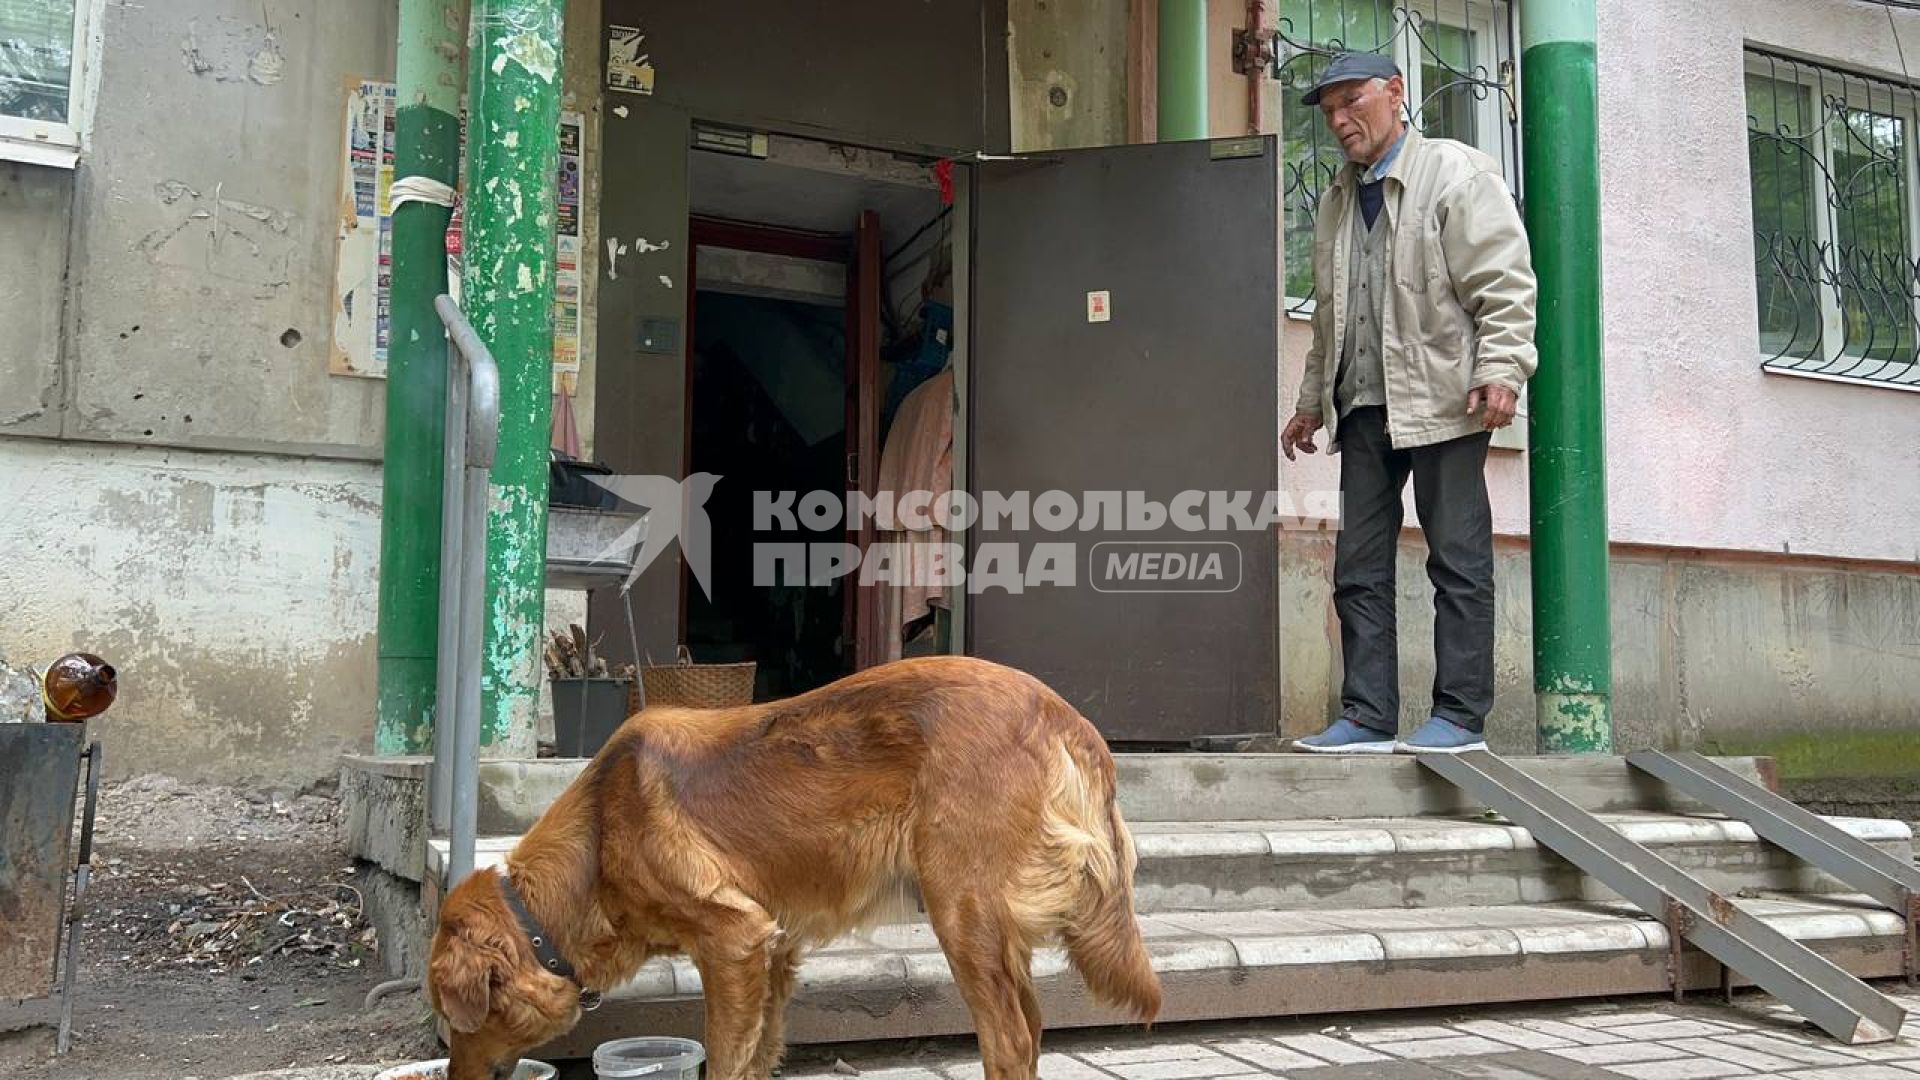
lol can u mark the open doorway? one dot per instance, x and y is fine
(821, 301)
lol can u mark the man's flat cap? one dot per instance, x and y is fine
(1348, 66)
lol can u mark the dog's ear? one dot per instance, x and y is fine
(462, 974)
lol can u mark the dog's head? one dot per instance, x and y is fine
(484, 980)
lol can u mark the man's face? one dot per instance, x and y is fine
(1364, 115)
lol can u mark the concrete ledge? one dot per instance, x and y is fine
(1247, 964)
(384, 813)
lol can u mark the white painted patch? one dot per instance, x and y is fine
(613, 259)
(512, 140)
(192, 569)
(267, 66)
(667, 281)
(640, 245)
(525, 279)
(620, 111)
(530, 51)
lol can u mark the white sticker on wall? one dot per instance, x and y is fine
(1099, 306)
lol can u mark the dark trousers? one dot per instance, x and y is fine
(1450, 495)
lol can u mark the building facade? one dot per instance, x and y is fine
(192, 480)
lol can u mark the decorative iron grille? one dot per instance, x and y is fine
(1836, 249)
(1458, 60)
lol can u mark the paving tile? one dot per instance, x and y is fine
(899, 1074)
(1267, 1055)
(1853, 1073)
(1328, 1049)
(1193, 1068)
(1792, 1051)
(1667, 1029)
(1515, 1065)
(1371, 1036)
(1620, 1019)
(1903, 1050)
(1149, 1052)
(1685, 1069)
(1068, 1067)
(1456, 1046)
(1739, 1055)
(1569, 1032)
(1512, 1035)
(1618, 1053)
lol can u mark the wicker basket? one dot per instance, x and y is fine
(698, 686)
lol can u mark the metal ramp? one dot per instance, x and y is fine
(1840, 1004)
(1891, 882)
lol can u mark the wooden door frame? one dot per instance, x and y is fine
(854, 250)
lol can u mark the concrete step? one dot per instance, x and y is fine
(1419, 862)
(1231, 965)
(385, 795)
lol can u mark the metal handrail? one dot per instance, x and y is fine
(473, 434)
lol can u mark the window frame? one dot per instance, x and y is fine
(1491, 30)
(1787, 69)
(59, 145)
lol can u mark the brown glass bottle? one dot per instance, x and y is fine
(77, 686)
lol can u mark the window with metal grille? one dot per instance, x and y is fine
(1836, 252)
(1457, 57)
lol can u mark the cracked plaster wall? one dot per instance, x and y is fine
(184, 487)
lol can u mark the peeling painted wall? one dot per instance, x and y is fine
(195, 496)
(234, 592)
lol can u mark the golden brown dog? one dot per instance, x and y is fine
(746, 836)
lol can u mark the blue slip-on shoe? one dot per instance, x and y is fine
(1441, 736)
(1344, 736)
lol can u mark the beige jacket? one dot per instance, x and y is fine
(1460, 312)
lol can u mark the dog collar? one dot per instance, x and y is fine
(544, 950)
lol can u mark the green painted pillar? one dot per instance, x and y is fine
(506, 285)
(431, 49)
(1572, 639)
(1181, 60)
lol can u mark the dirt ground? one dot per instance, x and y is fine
(223, 936)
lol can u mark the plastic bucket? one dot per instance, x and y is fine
(654, 1058)
(436, 1069)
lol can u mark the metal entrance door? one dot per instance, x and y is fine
(1125, 311)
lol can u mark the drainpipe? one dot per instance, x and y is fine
(1572, 653)
(1260, 55)
(1182, 60)
(426, 146)
(513, 150)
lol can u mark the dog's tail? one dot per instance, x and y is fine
(1104, 941)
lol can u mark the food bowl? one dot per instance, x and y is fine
(654, 1058)
(436, 1069)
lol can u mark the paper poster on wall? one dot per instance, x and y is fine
(364, 267)
(364, 245)
(629, 70)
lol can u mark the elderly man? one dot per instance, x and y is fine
(1422, 336)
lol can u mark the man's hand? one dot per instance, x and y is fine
(1299, 433)
(1499, 401)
